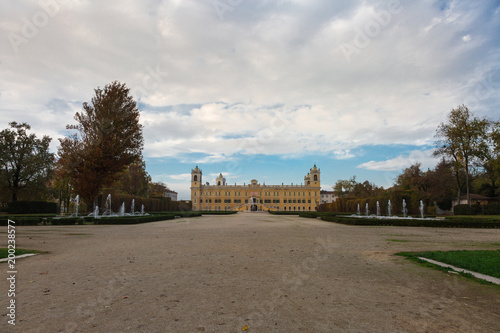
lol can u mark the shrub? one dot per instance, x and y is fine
(491, 209)
(467, 210)
(133, 219)
(67, 221)
(285, 212)
(455, 222)
(31, 207)
(20, 221)
(217, 212)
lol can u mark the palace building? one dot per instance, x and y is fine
(255, 196)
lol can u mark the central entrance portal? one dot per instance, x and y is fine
(253, 204)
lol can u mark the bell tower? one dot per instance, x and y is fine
(220, 181)
(314, 177)
(196, 175)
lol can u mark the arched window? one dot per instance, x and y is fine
(218, 183)
(315, 178)
(195, 178)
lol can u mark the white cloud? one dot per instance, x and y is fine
(424, 157)
(269, 78)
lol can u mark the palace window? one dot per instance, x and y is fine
(237, 201)
(227, 200)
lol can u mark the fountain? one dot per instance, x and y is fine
(389, 212)
(132, 208)
(107, 207)
(77, 203)
(142, 209)
(121, 212)
(96, 211)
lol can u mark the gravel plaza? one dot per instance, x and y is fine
(249, 271)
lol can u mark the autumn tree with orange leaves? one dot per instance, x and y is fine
(108, 138)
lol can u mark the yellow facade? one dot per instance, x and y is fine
(255, 196)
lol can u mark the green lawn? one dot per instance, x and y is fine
(484, 262)
(4, 252)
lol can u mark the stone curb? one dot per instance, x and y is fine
(477, 275)
(20, 256)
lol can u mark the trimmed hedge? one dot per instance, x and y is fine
(314, 215)
(31, 207)
(489, 209)
(133, 219)
(285, 212)
(467, 210)
(67, 221)
(465, 222)
(21, 221)
(217, 212)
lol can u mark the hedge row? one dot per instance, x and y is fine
(31, 207)
(279, 212)
(217, 212)
(22, 220)
(133, 219)
(489, 209)
(314, 215)
(442, 223)
(411, 197)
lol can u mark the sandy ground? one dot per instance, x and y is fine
(222, 273)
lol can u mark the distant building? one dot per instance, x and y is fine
(475, 199)
(170, 194)
(327, 197)
(255, 196)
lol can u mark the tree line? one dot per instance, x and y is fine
(104, 151)
(469, 148)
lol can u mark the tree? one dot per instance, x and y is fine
(109, 138)
(462, 139)
(133, 180)
(25, 160)
(157, 189)
(413, 178)
(491, 161)
(343, 187)
(440, 184)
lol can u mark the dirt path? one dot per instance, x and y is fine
(220, 273)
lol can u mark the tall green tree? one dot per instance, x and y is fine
(344, 187)
(109, 138)
(462, 139)
(25, 161)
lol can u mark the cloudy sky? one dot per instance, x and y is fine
(258, 88)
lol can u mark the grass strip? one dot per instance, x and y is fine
(4, 252)
(481, 261)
